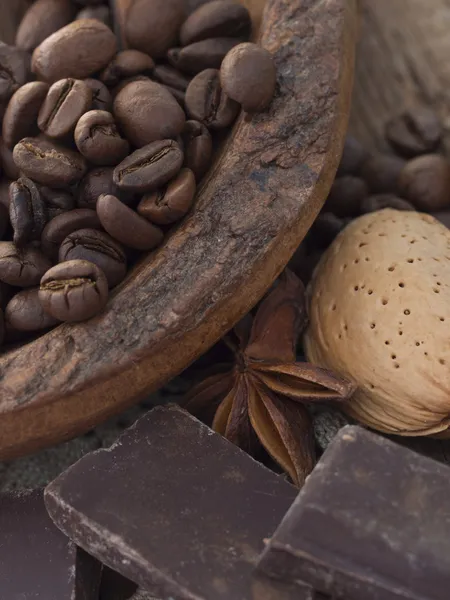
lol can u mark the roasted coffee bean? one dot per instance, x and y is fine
(152, 25)
(10, 169)
(207, 54)
(248, 76)
(98, 248)
(73, 291)
(179, 96)
(24, 312)
(43, 18)
(57, 201)
(197, 148)
(98, 139)
(27, 211)
(417, 131)
(97, 182)
(147, 112)
(125, 64)
(172, 203)
(425, 182)
(4, 220)
(59, 56)
(22, 112)
(169, 76)
(381, 201)
(49, 164)
(14, 72)
(101, 13)
(22, 267)
(66, 101)
(150, 167)
(381, 173)
(126, 226)
(346, 195)
(208, 103)
(325, 228)
(219, 18)
(101, 98)
(56, 230)
(354, 155)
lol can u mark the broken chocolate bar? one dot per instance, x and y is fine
(176, 508)
(37, 561)
(372, 522)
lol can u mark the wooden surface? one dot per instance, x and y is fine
(256, 206)
(403, 58)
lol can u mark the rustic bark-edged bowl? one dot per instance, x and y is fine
(259, 200)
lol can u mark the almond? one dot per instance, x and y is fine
(379, 306)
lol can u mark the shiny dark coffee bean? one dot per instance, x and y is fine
(24, 312)
(58, 56)
(171, 77)
(14, 72)
(126, 226)
(97, 182)
(417, 131)
(57, 201)
(98, 139)
(101, 13)
(22, 267)
(125, 64)
(98, 248)
(152, 25)
(22, 112)
(73, 291)
(147, 112)
(208, 103)
(150, 167)
(43, 18)
(197, 148)
(346, 195)
(425, 182)
(381, 201)
(248, 76)
(9, 167)
(66, 101)
(381, 173)
(172, 203)
(56, 230)
(354, 155)
(207, 54)
(219, 18)
(4, 220)
(49, 164)
(101, 98)
(27, 211)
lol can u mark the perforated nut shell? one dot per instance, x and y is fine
(379, 306)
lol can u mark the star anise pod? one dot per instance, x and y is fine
(260, 399)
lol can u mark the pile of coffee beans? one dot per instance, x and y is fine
(105, 138)
(414, 176)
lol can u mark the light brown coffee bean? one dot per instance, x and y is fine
(98, 139)
(22, 267)
(172, 203)
(208, 103)
(43, 18)
(219, 18)
(207, 54)
(126, 64)
(197, 148)
(56, 230)
(126, 226)
(66, 101)
(77, 50)
(22, 111)
(24, 312)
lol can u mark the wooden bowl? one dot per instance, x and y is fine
(265, 189)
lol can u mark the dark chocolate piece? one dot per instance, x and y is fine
(38, 562)
(372, 522)
(176, 508)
